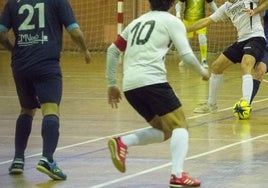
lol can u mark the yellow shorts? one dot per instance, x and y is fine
(191, 34)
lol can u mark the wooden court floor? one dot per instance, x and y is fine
(223, 152)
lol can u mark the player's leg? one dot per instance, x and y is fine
(175, 125)
(215, 83)
(260, 69)
(49, 92)
(159, 105)
(28, 102)
(252, 54)
(202, 39)
(139, 99)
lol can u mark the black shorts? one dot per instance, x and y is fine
(157, 99)
(35, 88)
(265, 59)
(254, 46)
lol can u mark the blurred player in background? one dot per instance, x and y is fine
(194, 10)
(145, 42)
(248, 49)
(37, 27)
(265, 24)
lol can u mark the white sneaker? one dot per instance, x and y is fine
(181, 64)
(205, 64)
(206, 108)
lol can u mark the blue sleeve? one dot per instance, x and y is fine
(3, 28)
(5, 23)
(72, 26)
(67, 15)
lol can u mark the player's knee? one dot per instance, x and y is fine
(167, 134)
(259, 71)
(216, 68)
(29, 112)
(50, 109)
(202, 38)
(174, 125)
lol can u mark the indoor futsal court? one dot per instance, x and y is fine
(223, 152)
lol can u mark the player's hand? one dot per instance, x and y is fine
(87, 57)
(114, 96)
(249, 11)
(205, 75)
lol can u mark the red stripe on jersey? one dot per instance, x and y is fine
(120, 18)
(120, 43)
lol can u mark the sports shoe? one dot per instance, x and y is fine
(16, 167)
(118, 152)
(184, 181)
(51, 169)
(206, 108)
(205, 64)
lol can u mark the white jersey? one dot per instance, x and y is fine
(240, 19)
(149, 38)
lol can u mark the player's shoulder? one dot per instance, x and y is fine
(160, 17)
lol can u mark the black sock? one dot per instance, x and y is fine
(50, 134)
(256, 85)
(23, 130)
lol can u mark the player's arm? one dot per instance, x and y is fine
(112, 61)
(260, 8)
(178, 8)
(178, 36)
(5, 41)
(78, 37)
(212, 5)
(199, 24)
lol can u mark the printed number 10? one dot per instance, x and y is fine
(140, 37)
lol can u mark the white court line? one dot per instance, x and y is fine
(168, 164)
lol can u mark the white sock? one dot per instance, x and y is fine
(215, 83)
(143, 137)
(178, 149)
(247, 87)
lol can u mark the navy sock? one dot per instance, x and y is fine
(23, 130)
(256, 85)
(50, 135)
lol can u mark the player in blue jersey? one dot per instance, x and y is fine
(37, 27)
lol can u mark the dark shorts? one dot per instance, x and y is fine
(38, 87)
(254, 46)
(265, 59)
(157, 99)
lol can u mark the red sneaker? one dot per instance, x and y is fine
(118, 152)
(184, 181)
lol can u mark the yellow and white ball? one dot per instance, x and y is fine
(242, 109)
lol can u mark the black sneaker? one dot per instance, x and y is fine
(51, 169)
(16, 167)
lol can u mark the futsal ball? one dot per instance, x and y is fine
(242, 109)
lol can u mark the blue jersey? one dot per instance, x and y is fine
(37, 27)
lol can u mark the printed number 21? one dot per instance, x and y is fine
(30, 10)
(142, 33)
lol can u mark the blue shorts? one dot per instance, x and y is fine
(254, 46)
(151, 100)
(39, 87)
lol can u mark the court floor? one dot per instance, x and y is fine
(223, 152)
